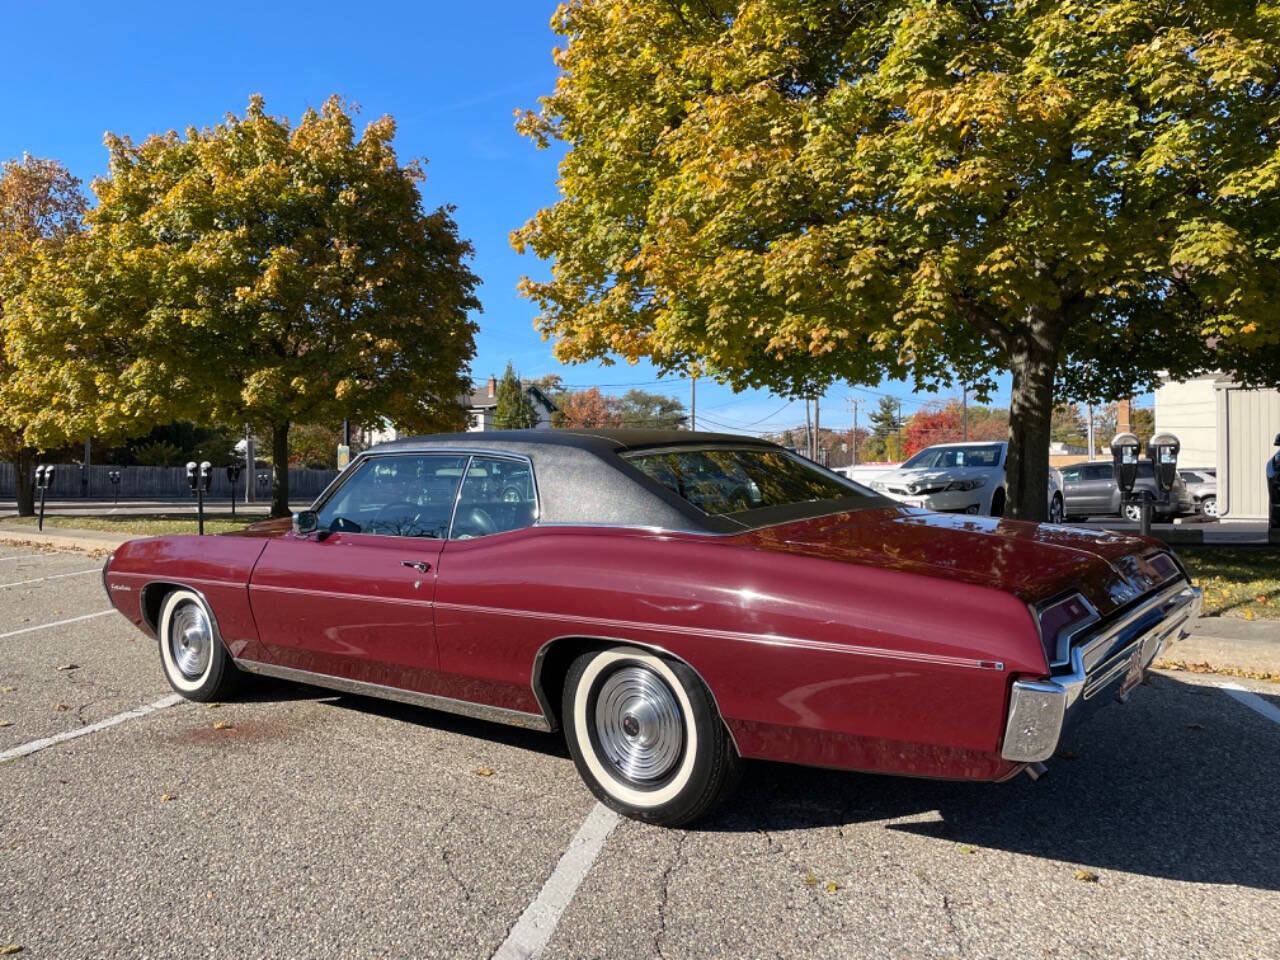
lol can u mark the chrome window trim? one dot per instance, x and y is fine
(330, 491)
(466, 708)
(533, 482)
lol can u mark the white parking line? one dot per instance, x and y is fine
(56, 623)
(56, 576)
(34, 745)
(538, 922)
(1250, 700)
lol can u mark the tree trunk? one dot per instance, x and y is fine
(25, 481)
(280, 469)
(1034, 361)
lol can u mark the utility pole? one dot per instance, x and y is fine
(854, 439)
(1089, 420)
(250, 464)
(88, 456)
(900, 456)
(964, 409)
(816, 429)
(808, 431)
(693, 402)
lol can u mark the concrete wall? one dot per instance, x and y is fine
(1247, 423)
(1189, 411)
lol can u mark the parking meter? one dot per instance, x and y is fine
(114, 477)
(206, 476)
(192, 478)
(1163, 449)
(233, 474)
(44, 480)
(1124, 451)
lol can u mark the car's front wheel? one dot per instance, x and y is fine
(1209, 507)
(195, 662)
(646, 737)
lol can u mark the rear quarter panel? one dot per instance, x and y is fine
(216, 566)
(809, 660)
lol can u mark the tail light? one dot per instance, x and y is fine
(1060, 622)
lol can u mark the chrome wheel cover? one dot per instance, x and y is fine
(638, 725)
(1132, 513)
(190, 640)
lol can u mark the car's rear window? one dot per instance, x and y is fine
(727, 480)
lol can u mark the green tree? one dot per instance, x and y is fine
(271, 273)
(41, 206)
(640, 408)
(804, 190)
(885, 428)
(515, 409)
(1068, 424)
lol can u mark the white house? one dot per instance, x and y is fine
(1221, 424)
(483, 404)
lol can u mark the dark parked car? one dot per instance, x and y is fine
(675, 602)
(1273, 484)
(1090, 490)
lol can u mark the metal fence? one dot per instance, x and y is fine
(161, 483)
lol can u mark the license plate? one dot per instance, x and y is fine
(914, 503)
(1133, 676)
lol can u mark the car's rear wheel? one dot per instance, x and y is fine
(1209, 507)
(195, 662)
(1055, 509)
(646, 736)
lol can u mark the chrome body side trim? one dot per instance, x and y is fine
(466, 708)
(1039, 710)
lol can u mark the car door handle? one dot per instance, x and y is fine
(420, 565)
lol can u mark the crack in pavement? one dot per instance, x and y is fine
(661, 933)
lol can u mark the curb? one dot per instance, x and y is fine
(82, 541)
(1218, 645)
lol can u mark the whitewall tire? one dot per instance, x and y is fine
(646, 737)
(191, 652)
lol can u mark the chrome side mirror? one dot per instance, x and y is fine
(304, 522)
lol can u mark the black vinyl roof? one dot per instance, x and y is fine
(584, 476)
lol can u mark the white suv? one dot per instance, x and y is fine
(959, 478)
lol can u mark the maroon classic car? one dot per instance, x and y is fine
(674, 602)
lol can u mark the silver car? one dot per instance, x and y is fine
(1202, 484)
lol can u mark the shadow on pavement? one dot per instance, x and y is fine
(1180, 783)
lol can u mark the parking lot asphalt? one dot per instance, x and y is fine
(298, 823)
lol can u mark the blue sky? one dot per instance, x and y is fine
(451, 75)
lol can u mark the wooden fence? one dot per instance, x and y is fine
(162, 483)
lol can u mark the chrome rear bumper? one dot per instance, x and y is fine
(1039, 710)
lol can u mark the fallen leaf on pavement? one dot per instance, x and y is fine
(1086, 876)
(832, 886)
(8, 948)
(5, 723)
(1068, 754)
(1195, 726)
(212, 706)
(810, 880)
(166, 797)
(7, 689)
(968, 849)
(484, 771)
(69, 666)
(60, 707)
(223, 725)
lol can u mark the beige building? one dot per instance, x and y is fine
(1221, 424)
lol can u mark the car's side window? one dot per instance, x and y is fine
(1071, 474)
(497, 495)
(410, 495)
(1100, 471)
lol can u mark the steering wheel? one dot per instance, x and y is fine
(512, 495)
(476, 523)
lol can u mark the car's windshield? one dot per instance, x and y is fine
(983, 455)
(723, 480)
